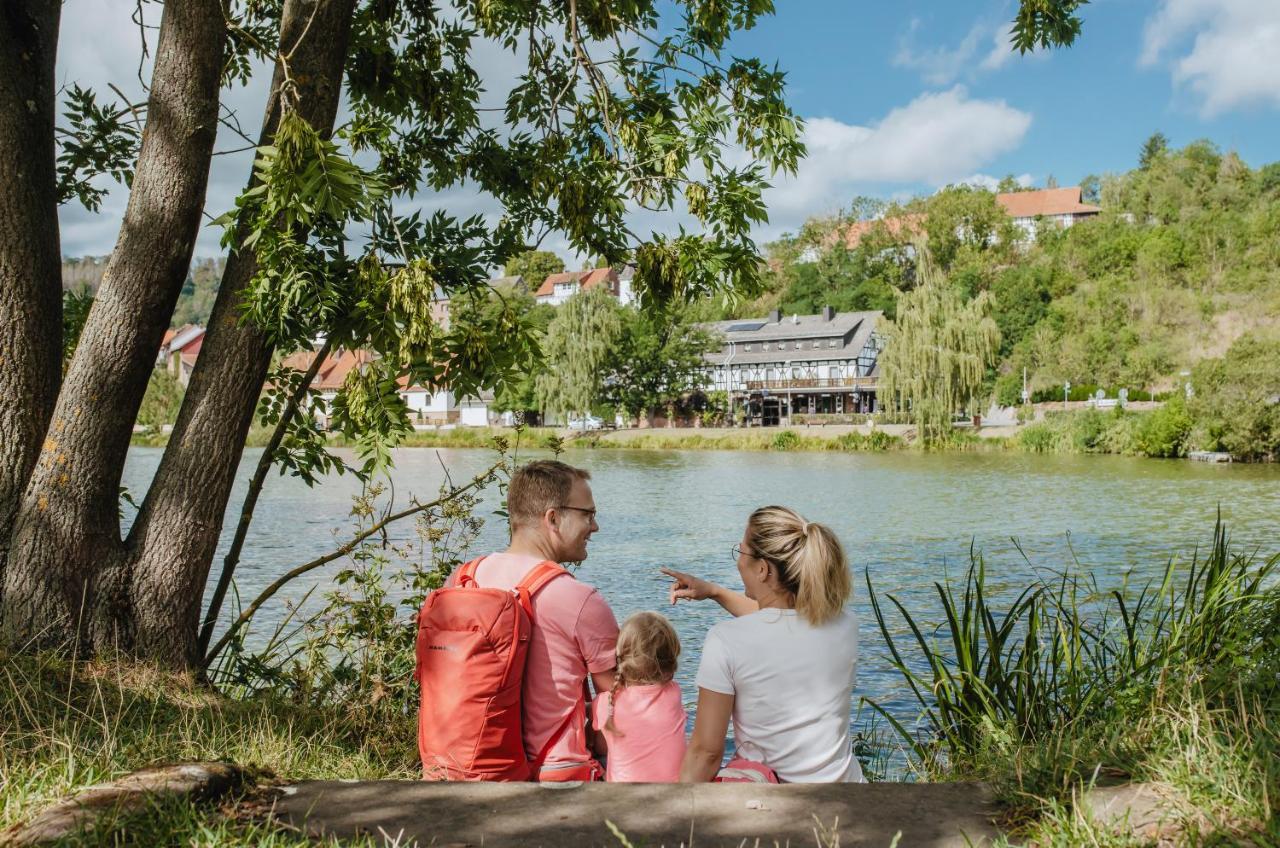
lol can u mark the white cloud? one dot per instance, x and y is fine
(990, 183)
(944, 65)
(1226, 51)
(936, 139)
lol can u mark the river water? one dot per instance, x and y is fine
(906, 519)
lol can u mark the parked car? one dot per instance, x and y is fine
(589, 422)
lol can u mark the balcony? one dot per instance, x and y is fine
(812, 383)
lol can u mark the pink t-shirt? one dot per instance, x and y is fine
(574, 634)
(649, 743)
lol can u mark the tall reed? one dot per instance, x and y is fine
(1065, 650)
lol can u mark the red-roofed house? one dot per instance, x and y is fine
(179, 350)
(557, 288)
(425, 406)
(901, 228)
(1063, 206)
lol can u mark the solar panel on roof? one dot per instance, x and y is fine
(750, 327)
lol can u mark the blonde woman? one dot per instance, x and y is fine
(783, 667)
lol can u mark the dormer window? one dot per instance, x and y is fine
(831, 342)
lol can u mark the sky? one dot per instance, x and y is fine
(899, 98)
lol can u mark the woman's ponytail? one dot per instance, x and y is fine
(809, 558)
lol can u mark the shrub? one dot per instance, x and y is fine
(785, 441)
(1164, 432)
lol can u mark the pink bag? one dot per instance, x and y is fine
(739, 770)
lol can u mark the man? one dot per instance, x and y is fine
(552, 515)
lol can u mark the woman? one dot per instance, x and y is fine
(783, 667)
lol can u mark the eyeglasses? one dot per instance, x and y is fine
(590, 513)
(737, 552)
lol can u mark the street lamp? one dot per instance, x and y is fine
(1066, 393)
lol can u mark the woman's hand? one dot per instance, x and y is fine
(690, 588)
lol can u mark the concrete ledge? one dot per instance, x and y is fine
(938, 815)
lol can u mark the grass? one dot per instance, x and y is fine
(70, 725)
(1176, 683)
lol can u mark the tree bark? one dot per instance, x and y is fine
(30, 255)
(172, 542)
(68, 529)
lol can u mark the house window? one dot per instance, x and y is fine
(764, 346)
(831, 342)
(746, 347)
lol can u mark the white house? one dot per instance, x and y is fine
(1062, 206)
(776, 367)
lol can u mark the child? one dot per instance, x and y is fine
(642, 718)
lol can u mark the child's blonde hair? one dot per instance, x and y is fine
(648, 652)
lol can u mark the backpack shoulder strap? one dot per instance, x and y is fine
(467, 572)
(537, 577)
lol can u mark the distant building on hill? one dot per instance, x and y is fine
(776, 367)
(557, 288)
(1061, 206)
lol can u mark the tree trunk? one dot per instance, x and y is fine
(68, 527)
(30, 256)
(174, 538)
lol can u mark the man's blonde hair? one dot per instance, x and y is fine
(808, 557)
(539, 486)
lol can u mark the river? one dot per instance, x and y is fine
(906, 519)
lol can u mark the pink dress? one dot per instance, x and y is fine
(649, 743)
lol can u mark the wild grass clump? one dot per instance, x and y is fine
(68, 725)
(1069, 683)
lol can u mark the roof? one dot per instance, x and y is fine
(184, 336)
(898, 227)
(851, 329)
(585, 279)
(506, 282)
(333, 371)
(1045, 201)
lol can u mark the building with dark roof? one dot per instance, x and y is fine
(775, 367)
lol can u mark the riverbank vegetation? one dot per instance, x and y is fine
(1076, 683)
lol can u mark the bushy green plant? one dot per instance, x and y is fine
(785, 441)
(162, 400)
(1164, 431)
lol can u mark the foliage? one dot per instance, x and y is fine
(655, 360)
(1066, 650)
(937, 352)
(578, 350)
(517, 393)
(162, 401)
(534, 266)
(76, 303)
(1236, 405)
(1165, 431)
(99, 141)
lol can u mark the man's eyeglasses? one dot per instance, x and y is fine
(590, 513)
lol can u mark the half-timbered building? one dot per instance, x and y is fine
(775, 367)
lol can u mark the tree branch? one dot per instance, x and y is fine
(265, 461)
(340, 552)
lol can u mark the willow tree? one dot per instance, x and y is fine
(938, 351)
(578, 349)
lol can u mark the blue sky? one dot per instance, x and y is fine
(937, 78)
(900, 98)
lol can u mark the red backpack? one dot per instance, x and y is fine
(471, 650)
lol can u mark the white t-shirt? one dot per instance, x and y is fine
(792, 685)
